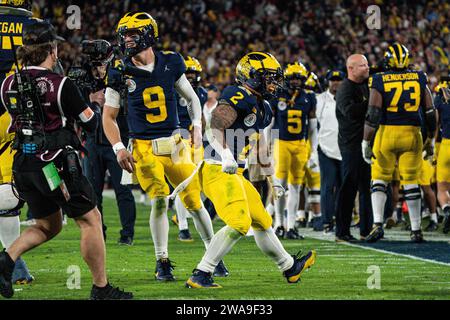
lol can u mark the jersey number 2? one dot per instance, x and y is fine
(154, 98)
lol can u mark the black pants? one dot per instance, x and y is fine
(102, 158)
(355, 176)
(330, 182)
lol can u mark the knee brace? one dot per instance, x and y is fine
(314, 196)
(413, 193)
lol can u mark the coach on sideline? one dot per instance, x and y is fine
(352, 99)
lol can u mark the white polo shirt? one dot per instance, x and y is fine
(328, 131)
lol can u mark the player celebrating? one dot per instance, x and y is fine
(295, 120)
(395, 98)
(158, 150)
(236, 125)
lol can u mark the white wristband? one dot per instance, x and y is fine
(118, 146)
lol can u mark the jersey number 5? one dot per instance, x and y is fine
(154, 98)
(399, 87)
(294, 121)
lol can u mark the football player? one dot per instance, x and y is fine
(395, 98)
(13, 17)
(295, 120)
(236, 126)
(442, 102)
(158, 151)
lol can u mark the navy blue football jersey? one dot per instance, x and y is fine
(11, 28)
(443, 109)
(292, 113)
(152, 102)
(253, 115)
(183, 114)
(402, 93)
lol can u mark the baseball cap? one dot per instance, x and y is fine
(40, 32)
(336, 75)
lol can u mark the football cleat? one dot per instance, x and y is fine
(125, 241)
(447, 221)
(6, 271)
(163, 270)
(292, 234)
(280, 232)
(221, 270)
(109, 293)
(376, 234)
(21, 275)
(300, 264)
(417, 236)
(432, 226)
(185, 236)
(201, 279)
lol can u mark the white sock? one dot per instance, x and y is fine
(270, 209)
(222, 242)
(301, 214)
(434, 217)
(9, 230)
(413, 206)
(378, 202)
(280, 204)
(293, 199)
(159, 226)
(269, 243)
(203, 224)
(181, 214)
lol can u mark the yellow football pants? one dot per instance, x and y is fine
(427, 174)
(236, 201)
(443, 162)
(290, 160)
(7, 156)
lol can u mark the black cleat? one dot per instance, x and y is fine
(109, 293)
(185, 236)
(417, 236)
(292, 234)
(432, 226)
(201, 279)
(376, 234)
(125, 241)
(163, 270)
(280, 232)
(6, 271)
(221, 270)
(300, 264)
(447, 221)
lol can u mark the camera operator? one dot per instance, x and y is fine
(44, 107)
(100, 155)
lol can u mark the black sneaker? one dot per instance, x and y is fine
(300, 264)
(376, 234)
(163, 270)
(185, 236)
(109, 293)
(292, 234)
(417, 236)
(280, 232)
(6, 271)
(432, 226)
(125, 241)
(221, 270)
(201, 279)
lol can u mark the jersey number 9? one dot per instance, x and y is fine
(154, 98)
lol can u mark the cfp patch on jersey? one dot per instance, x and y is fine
(250, 120)
(183, 102)
(131, 85)
(282, 105)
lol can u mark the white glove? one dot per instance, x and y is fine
(366, 151)
(313, 160)
(229, 165)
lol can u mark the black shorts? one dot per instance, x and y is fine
(35, 191)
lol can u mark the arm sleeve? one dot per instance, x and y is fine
(185, 89)
(73, 104)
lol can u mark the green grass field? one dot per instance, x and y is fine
(340, 271)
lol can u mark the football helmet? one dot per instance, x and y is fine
(295, 71)
(21, 4)
(147, 32)
(194, 67)
(259, 69)
(396, 57)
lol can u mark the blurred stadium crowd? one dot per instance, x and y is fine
(321, 34)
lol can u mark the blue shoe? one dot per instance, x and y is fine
(300, 264)
(6, 270)
(163, 270)
(21, 275)
(201, 279)
(376, 234)
(185, 236)
(221, 270)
